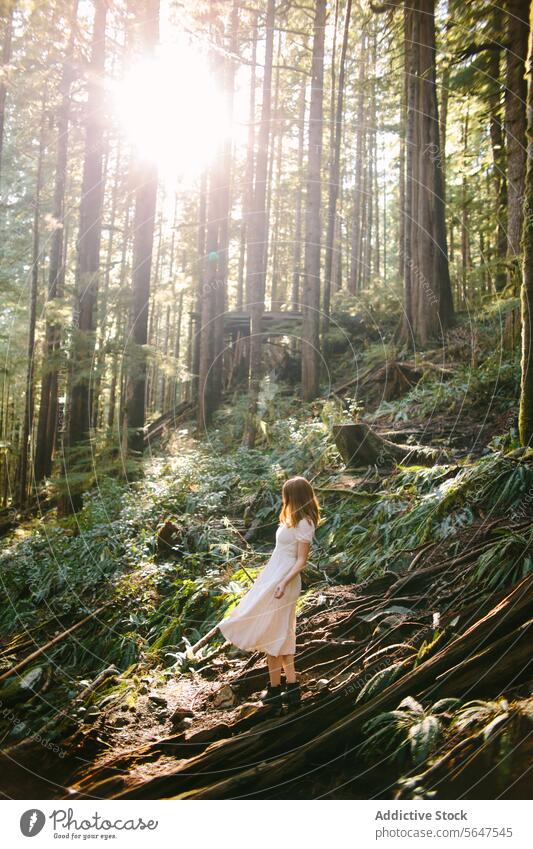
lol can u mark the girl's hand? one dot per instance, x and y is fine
(280, 589)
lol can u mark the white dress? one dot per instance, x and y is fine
(260, 621)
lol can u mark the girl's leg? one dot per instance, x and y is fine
(287, 661)
(274, 669)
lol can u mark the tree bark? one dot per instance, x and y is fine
(248, 190)
(195, 338)
(311, 293)
(525, 416)
(47, 419)
(515, 125)
(334, 172)
(228, 73)
(215, 269)
(358, 200)
(428, 295)
(143, 237)
(6, 59)
(497, 139)
(103, 310)
(256, 243)
(87, 271)
(29, 403)
(297, 249)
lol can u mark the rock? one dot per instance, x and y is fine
(143, 689)
(186, 722)
(119, 722)
(23, 688)
(157, 700)
(92, 713)
(225, 698)
(179, 714)
(322, 684)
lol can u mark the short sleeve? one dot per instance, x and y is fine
(305, 530)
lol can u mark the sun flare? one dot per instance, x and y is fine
(173, 111)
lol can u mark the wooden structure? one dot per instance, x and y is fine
(236, 334)
(276, 323)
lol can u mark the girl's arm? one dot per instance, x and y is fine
(301, 560)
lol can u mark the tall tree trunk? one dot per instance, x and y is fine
(103, 305)
(143, 237)
(428, 295)
(256, 271)
(6, 59)
(248, 189)
(406, 132)
(87, 270)
(228, 74)
(376, 241)
(311, 293)
(276, 295)
(47, 419)
(515, 126)
(298, 218)
(334, 172)
(208, 301)
(29, 402)
(195, 330)
(465, 219)
(525, 417)
(358, 199)
(274, 135)
(497, 139)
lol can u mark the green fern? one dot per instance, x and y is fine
(380, 681)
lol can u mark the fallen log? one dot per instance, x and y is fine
(174, 416)
(57, 639)
(359, 446)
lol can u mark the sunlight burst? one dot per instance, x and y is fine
(173, 111)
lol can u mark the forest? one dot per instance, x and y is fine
(243, 240)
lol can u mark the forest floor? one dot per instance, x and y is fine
(414, 628)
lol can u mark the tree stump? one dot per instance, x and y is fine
(359, 445)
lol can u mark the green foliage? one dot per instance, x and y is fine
(504, 564)
(409, 734)
(477, 712)
(380, 681)
(491, 385)
(415, 505)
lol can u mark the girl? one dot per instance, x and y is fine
(265, 618)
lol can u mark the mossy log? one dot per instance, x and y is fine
(359, 445)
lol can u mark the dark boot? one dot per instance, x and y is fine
(273, 698)
(292, 695)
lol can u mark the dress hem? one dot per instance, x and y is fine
(254, 648)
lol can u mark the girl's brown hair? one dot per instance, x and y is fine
(298, 502)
